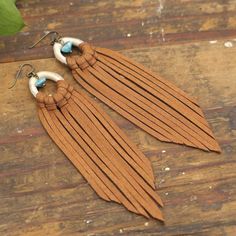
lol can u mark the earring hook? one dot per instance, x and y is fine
(18, 74)
(55, 39)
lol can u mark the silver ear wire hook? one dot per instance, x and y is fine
(28, 74)
(55, 39)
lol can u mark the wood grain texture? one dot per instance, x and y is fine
(120, 24)
(43, 194)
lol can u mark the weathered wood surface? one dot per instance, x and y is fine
(122, 24)
(42, 193)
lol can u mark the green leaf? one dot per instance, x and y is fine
(11, 21)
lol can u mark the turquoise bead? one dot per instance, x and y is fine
(40, 83)
(67, 47)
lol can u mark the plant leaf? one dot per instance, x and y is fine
(10, 19)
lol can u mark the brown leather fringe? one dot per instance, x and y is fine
(108, 160)
(147, 100)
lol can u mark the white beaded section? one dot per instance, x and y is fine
(42, 74)
(57, 48)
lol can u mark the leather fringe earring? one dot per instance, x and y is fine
(147, 100)
(108, 160)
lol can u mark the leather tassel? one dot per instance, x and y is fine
(108, 160)
(147, 100)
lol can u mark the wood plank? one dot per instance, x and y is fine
(120, 25)
(42, 193)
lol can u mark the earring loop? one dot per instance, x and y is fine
(19, 72)
(58, 42)
(55, 39)
(39, 75)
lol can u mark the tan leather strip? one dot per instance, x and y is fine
(98, 159)
(123, 90)
(123, 103)
(207, 130)
(173, 103)
(145, 72)
(134, 160)
(130, 203)
(159, 110)
(69, 140)
(97, 165)
(122, 93)
(132, 164)
(70, 153)
(147, 100)
(88, 165)
(82, 148)
(155, 116)
(166, 92)
(194, 135)
(110, 139)
(117, 165)
(97, 156)
(105, 184)
(136, 154)
(136, 105)
(122, 109)
(74, 161)
(131, 170)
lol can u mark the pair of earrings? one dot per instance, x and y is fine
(102, 153)
(147, 100)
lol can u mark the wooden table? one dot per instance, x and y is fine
(189, 42)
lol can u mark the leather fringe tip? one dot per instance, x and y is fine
(147, 100)
(108, 160)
